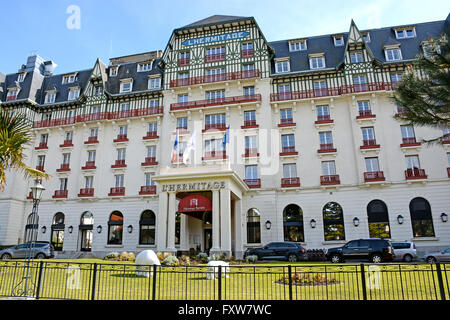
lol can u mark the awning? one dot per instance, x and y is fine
(194, 203)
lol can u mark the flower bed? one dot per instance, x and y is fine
(307, 279)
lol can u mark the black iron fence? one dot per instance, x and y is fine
(107, 281)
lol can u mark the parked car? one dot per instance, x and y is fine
(291, 251)
(440, 256)
(405, 251)
(41, 250)
(374, 250)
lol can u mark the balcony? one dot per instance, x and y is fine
(228, 76)
(370, 144)
(215, 57)
(89, 165)
(365, 114)
(250, 152)
(412, 174)
(151, 135)
(40, 168)
(147, 190)
(249, 124)
(116, 191)
(215, 126)
(149, 161)
(91, 140)
(215, 155)
(121, 138)
(135, 113)
(60, 194)
(410, 142)
(446, 139)
(329, 180)
(215, 102)
(119, 164)
(86, 192)
(288, 151)
(64, 167)
(253, 183)
(183, 62)
(11, 98)
(374, 176)
(66, 143)
(54, 122)
(323, 119)
(326, 148)
(290, 182)
(41, 146)
(286, 122)
(247, 53)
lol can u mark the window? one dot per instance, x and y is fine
(364, 107)
(317, 62)
(151, 152)
(326, 140)
(338, 41)
(247, 49)
(153, 127)
(213, 145)
(360, 83)
(152, 103)
(320, 88)
(251, 147)
(378, 219)
(123, 130)
(251, 172)
(41, 160)
(121, 154)
(126, 86)
(366, 37)
(44, 138)
(368, 134)
(287, 143)
(405, 33)
(21, 77)
(430, 50)
(333, 222)
(57, 237)
(12, 94)
(215, 54)
(62, 184)
(98, 90)
(396, 77)
(74, 94)
(118, 180)
(94, 132)
(286, 115)
(147, 228)
(249, 91)
(282, 66)
(289, 170)
(89, 182)
(297, 46)
(249, 118)
(141, 67)
(328, 168)
(91, 155)
(68, 79)
(412, 162)
(184, 75)
(124, 106)
(293, 223)
(253, 226)
(393, 54)
(421, 218)
(66, 158)
(154, 83)
(323, 112)
(408, 135)
(356, 57)
(248, 67)
(148, 178)
(115, 228)
(216, 121)
(113, 71)
(214, 94)
(372, 164)
(183, 98)
(50, 97)
(184, 57)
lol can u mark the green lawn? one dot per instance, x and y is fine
(73, 279)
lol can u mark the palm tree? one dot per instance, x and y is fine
(14, 137)
(424, 95)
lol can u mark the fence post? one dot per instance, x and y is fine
(155, 267)
(94, 281)
(38, 287)
(220, 283)
(363, 282)
(440, 280)
(290, 281)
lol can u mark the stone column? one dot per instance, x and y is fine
(171, 223)
(161, 225)
(225, 221)
(215, 222)
(238, 229)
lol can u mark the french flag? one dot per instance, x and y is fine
(175, 149)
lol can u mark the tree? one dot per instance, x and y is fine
(424, 93)
(14, 137)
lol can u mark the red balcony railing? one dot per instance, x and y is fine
(329, 179)
(183, 62)
(409, 142)
(251, 152)
(325, 118)
(54, 122)
(92, 117)
(246, 53)
(253, 183)
(149, 161)
(415, 173)
(364, 114)
(64, 167)
(66, 143)
(10, 98)
(373, 176)
(216, 78)
(215, 57)
(89, 165)
(326, 147)
(121, 138)
(147, 190)
(42, 145)
(288, 150)
(290, 182)
(60, 194)
(93, 139)
(369, 144)
(213, 155)
(117, 191)
(86, 192)
(286, 122)
(217, 126)
(151, 135)
(135, 112)
(119, 164)
(215, 102)
(40, 168)
(446, 138)
(249, 124)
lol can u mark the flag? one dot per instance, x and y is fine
(190, 146)
(226, 137)
(175, 148)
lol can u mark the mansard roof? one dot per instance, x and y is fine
(216, 19)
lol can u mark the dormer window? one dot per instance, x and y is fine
(50, 97)
(338, 41)
(154, 83)
(21, 77)
(282, 66)
(74, 94)
(12, 94)
(317, 61)
(366, 37)
(405, 33)
(428, 49)
(356, 57)
(126, 86)
(70, 78)
(98, 90)
(142, 67)
(393, 54)
(113, 71)
(298, 45)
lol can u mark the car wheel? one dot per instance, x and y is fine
(292, 258)
(40, 256)
(335, 258)
(376, 258)
(431, 260)
(6, 256)
(407, 258)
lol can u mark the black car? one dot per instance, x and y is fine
(374, 250)
(290, 251)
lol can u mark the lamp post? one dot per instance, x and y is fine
(30, 239)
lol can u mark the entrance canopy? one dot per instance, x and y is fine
(194, 203)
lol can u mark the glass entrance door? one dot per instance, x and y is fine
(86, 240)
(207, 240)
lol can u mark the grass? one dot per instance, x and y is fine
(73, 279)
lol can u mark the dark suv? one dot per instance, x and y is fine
(290, 251)
(374, 250)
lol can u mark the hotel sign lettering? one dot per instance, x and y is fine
(216, 38)
(190, 186)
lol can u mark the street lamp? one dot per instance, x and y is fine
(130, 228)
(444, 217)
(268, 225)
(312, 223)
(355, 221)
(400, 219)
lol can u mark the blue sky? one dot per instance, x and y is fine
(115, 28)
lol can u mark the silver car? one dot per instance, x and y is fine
(440, 256)
(404, 251)
(41, 250)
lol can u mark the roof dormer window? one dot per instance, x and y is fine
(338, 40)
(12, 94)
(297, 45)
(113, 71)
(282, 65)
(142, 67)
(317, 61)
(126, 85)
(154, 83)
(366, 37)
(21, 77)
(70, 78)
(50, 97)
(393, 53)
(74, 93)
(405, 33)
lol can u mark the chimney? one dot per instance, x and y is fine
(49, 66)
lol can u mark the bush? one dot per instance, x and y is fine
(203, 257)
(171, 261)
(252, 259)
(112, 256)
